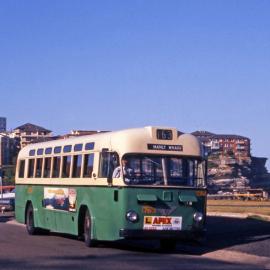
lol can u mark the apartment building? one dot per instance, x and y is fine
(30, 133)
(226, 144)
(6, 149)
(3, 124)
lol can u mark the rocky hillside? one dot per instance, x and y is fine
(229, 172)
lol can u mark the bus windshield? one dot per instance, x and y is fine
(163, 170)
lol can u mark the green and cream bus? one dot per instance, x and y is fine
(135, 183)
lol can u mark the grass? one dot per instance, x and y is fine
(236, 206)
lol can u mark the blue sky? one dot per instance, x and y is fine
(109, 65)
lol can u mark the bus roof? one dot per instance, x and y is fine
(136, 140)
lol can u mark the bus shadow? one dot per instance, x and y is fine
(222, 233)
(225, 232)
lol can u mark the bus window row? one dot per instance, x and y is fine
(59, 149)
(74, 166)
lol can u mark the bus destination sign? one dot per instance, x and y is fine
(164, 147)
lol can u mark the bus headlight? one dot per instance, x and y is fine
(198, 217)
(132, 216)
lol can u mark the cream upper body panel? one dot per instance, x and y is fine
(138, 140)
(129, 141)
(145, 141)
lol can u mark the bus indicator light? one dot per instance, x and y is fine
(201, 193)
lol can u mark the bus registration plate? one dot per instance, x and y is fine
(162, 223)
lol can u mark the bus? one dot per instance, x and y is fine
(140, 183)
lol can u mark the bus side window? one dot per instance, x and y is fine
(21, 168)
(77, 165)
(47, 167)
(56, 166)
(31, 163)
(88, 165)
(108, 162)
(191, 173)
(66, 166)
(39, 167)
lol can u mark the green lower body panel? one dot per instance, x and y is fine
(160, 213)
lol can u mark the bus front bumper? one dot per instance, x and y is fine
(156, 234)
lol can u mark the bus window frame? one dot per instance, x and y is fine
(52, 168)
(50, 171)
(19, 168)
(28, 167)
(112, 156)
(83, 175)
(81, 165)
(36, 163)
(62, 166)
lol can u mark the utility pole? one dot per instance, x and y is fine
(1, 184)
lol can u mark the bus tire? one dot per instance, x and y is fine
(87, 226)
(30, 220)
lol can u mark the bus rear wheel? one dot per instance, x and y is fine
(30, 222)
(87, 230)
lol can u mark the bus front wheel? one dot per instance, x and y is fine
(87, 230)
(30, 223)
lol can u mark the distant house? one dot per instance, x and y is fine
(30, 133)
(237, 145)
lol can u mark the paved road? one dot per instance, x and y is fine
(232, 244)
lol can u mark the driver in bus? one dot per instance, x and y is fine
(127, 172)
